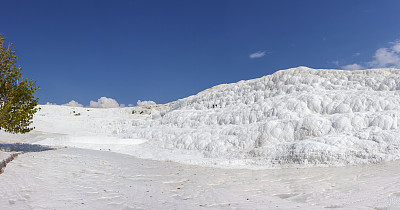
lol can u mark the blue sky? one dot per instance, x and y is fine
(166, 50)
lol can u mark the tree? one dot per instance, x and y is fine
(17, 103)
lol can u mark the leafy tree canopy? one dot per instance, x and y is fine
(17, 102)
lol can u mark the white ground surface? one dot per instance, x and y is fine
(4, 155)
(196, 152)
(74, 178)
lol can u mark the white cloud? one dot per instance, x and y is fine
(104, 102)
(258, 54)
(387, 57)
(336, 62)
(356, 54)
(352, 67)
(396, 47)
(145, 103)
(73, 104)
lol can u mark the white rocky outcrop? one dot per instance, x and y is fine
(299, 117)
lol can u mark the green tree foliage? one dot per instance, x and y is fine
(17, 103)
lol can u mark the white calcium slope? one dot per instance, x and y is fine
(299, 117)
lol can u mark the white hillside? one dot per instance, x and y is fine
(298, 117)
(295, 116)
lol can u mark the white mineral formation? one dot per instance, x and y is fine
(299, 117)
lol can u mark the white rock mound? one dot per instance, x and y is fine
(298, 117)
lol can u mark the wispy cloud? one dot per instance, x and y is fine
(336, 62)
(385, 57)
(258, 54)
(352, 67)
(396, 47)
